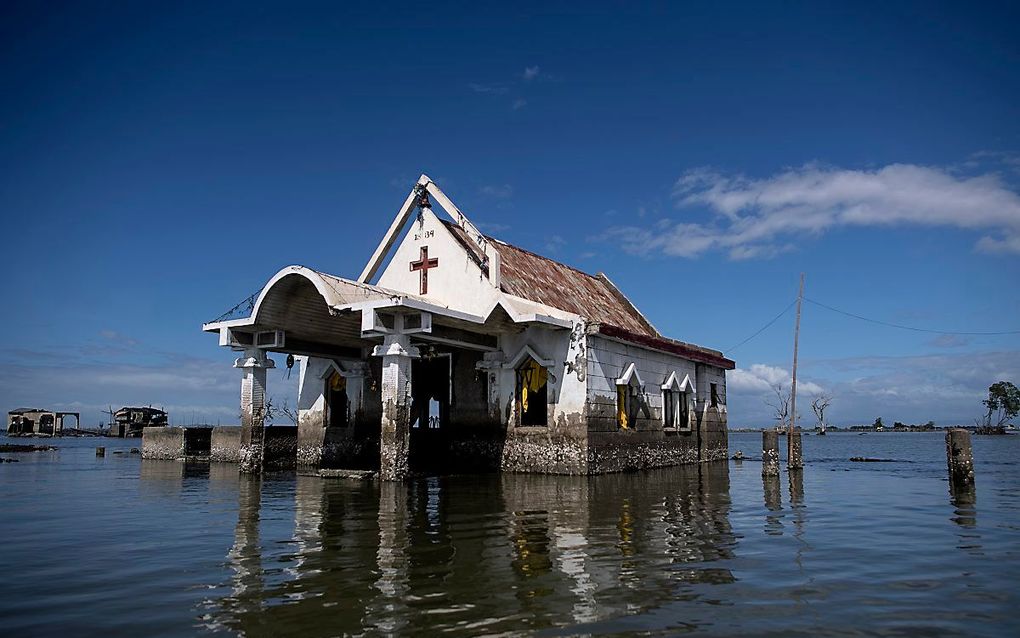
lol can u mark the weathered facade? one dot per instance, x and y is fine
(129, 421)
(466, 352)
(38, 422)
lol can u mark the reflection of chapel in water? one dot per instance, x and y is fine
(563, 550)
(454, 349)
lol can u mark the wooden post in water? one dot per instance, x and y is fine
(794, 460)
(770, 453)
(960, 457)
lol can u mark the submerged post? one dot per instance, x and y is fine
(253, 365)
(796, 459)
(395, 429)
(770, 453)
(960, 457)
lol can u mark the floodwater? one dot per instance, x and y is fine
(93, 546)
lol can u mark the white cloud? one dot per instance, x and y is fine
(761, 217)
(946, 388)
(530, 73)
(519, 104)
(497, 191)
(761, 378)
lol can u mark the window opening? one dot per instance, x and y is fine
(533, 393)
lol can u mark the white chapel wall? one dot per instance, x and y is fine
(456, 282)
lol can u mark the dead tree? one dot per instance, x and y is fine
(780, 405)
(818, 406)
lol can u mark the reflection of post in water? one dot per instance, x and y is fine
(963, 497)
(246, 554)
(774, 504)
(386, 613)
(309, 499)
(796, 489)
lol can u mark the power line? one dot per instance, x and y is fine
(902, 327)
(763, 328)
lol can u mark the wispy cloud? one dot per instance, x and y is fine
(492, 228)
(497, 191)
(553, 244)
(491, 89)
(516, 87)
(754, 218)
(949, 341)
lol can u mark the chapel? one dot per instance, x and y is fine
(454, 351)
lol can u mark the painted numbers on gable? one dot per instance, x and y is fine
(425, 235)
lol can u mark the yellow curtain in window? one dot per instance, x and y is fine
(621, 405)
(337, 382)
(533, 377)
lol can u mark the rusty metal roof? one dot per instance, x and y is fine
(685, 350)
(594, 297)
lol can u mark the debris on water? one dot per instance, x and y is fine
(6, 460)
(11, 447)
(361, 475)
(135, 450)
(868, 459)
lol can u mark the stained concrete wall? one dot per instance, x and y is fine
(320, 444)
(163, 442)
(457, 276)
(225, 444)
(648, 443)
(560, 446)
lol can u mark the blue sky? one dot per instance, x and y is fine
(159, 163)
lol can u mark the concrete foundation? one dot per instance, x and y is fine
(163, 443)
(225, 444)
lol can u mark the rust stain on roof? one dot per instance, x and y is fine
(594, 297)
(546, 281)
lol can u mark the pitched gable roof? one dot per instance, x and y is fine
(524, 274)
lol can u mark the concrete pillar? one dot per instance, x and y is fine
(796, 460)
(960, 457)
(253, 366)
(770, 453)
(394, 440)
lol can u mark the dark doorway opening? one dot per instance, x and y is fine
(430, 413)
(338, 412)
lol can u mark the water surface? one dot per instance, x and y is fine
(93, 545)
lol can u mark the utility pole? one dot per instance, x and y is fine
(792, 462)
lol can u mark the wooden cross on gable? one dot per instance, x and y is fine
(423, 265)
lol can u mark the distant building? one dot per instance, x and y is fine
(128, 422)
(37, 422)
